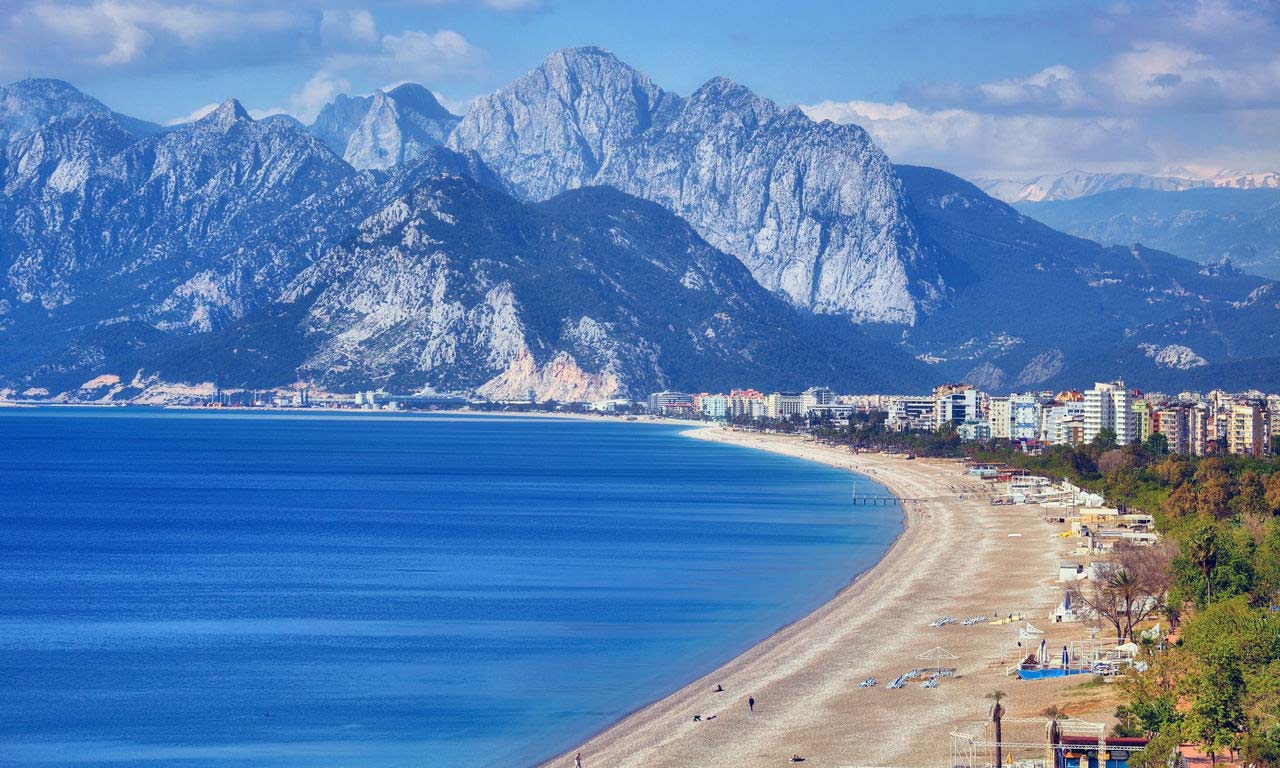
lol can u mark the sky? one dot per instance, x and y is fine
(984, 89)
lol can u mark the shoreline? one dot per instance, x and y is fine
(808, 702)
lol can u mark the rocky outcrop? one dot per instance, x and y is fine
(813, 209)
(384, 128)
(592, 294)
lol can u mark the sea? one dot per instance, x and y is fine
(197, 588)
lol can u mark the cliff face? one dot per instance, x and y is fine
(815, 211)
(591, 294)
(384, 128)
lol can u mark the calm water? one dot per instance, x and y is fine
(203, 589)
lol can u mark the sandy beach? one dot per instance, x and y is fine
(956, 558)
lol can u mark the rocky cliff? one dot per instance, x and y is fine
(814, 210)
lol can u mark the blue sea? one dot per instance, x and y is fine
(250, 589)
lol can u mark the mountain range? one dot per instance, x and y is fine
(1072, 185)
(1207, 224)
(580, 233)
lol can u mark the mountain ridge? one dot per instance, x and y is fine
(813, 209)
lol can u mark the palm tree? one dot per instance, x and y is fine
(1056, 714)
(997, 713)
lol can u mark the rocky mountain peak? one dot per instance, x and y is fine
(384, 128)
(227, 114)
(28, 104)
(813, 210)
(421, 100)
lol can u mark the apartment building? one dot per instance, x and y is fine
(1249, 429)
(1109, 405)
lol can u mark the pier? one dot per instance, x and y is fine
(874, 500)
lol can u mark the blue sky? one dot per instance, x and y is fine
(984, 88)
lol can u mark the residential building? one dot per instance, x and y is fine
(1199, 419)
(669, 403)
(1000, 417)
(974, 429)
(1174, 422)
(1024, 415)
(911, 413)
(747, 404)
(1249, 429)
(954, 403)
(784, 405)
(1142, 410)
(814, 397)
(1062, 423)
(714, 407)
(1109, 405)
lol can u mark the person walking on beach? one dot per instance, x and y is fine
(577, 761)
(751, 703)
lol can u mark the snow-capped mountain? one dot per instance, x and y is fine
(813, 209)
(384, 128)
(1072, 185)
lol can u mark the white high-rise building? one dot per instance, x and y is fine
(1024, 417)
(954, 403)
(1109, 405)
(1000, 417)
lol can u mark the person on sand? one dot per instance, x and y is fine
(577, 761)
(719, 688)
(751, 703)
(796, 759)
(697, 718)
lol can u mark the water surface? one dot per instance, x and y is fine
(201, 589)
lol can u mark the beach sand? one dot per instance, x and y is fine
(955, 558)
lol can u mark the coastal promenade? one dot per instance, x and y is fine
(955, 558)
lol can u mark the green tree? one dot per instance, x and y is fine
(1266, 560)
(1217, 709)
(1157, 444)
(1105, 439)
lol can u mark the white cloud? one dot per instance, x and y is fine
(497, 5)
(411, 56)
(112, 33)
(321, 89)
(1179, 82)
(193, 116)
(983, 144)
(429, 53)
(342, 28)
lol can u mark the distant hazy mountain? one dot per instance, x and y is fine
(1201, 224)
(1040, 307)
(814, 210)
(383, 129)
(1076, 184)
